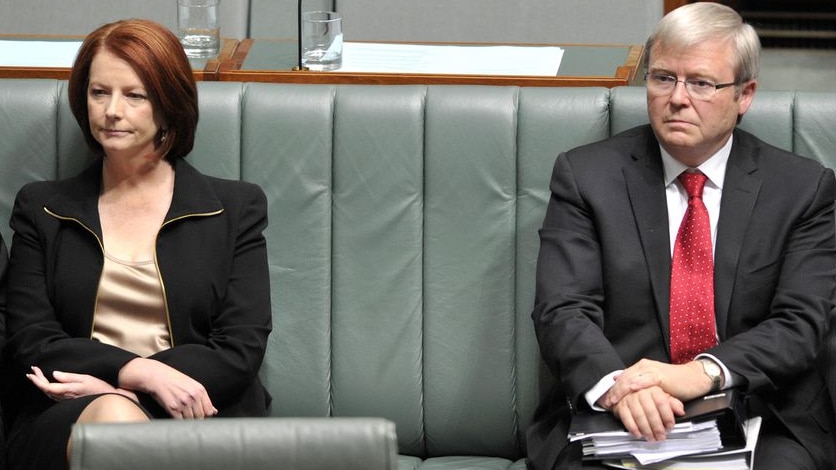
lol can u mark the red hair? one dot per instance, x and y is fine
(158, 59)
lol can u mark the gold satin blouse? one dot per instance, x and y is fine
(130, 311)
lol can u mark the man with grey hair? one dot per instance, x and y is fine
(687, 256)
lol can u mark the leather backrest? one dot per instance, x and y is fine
(403, 232)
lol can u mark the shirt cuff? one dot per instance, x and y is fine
(599, 389)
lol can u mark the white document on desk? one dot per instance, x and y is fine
(451, 59)
(38, 53)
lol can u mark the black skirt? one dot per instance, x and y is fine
(40, 442)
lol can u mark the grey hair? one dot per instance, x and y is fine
(694, 23)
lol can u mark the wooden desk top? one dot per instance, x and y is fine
(204, 69)
(266, 60)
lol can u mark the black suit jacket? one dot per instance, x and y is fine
(603, 280)
(212, 259)
(4, 261)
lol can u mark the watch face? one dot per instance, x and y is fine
(711, 368)
(713, 371)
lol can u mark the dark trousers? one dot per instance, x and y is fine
(777, 450)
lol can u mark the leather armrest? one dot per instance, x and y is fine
(237, 444)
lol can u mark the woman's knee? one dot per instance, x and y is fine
(112, 408)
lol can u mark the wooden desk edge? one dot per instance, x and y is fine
(210, 71)
(332, 78)
(239, 54)
(230, 71)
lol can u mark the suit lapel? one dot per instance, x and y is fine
(646, 190)
(740, 191)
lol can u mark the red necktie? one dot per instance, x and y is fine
(693, 327)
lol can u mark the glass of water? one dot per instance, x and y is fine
(198, 27)
(322, 40)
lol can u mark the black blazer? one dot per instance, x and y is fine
(212, 258)
(603, 280)
(4, 262)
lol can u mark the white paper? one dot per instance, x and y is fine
(38, 53)
(685, 438)
(737, 459)
(451, 59)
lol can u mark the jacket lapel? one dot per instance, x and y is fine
(740, 191)
(193, 194)
(646, 190)
(78, 198)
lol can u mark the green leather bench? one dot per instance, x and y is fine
(402, 238)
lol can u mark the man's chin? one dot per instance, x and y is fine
(677, 138)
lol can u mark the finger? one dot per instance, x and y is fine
(642, 422)
(37, 372)
(53, 390)
(40, 383)
(666, 415)
(677, 406)
(652, 405)
(175, 412)
(197, 410)
(661, 416)
(658, 422)
(187, 411)
(66, 377)
(208, 409)
(626, 417)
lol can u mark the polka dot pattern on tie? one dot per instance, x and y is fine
(692, 322)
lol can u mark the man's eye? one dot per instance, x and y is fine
(701, 84)
(664, 78)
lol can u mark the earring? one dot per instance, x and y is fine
(164, 135)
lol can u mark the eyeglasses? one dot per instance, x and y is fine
(697, 88)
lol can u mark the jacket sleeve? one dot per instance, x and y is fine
(41, 333)
(569, 306)
(783, 301)
(227, 358)
(4, 264)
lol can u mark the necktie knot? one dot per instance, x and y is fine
(694, 182)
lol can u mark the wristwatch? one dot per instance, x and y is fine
(713, 371)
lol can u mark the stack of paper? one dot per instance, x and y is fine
(736, 459)
(685, 438)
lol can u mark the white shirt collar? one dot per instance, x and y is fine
(714, 168)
